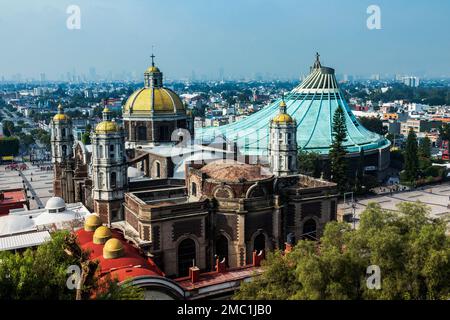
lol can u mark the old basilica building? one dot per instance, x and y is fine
(186, 204)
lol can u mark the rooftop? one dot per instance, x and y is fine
(233, 171)
(12, 196)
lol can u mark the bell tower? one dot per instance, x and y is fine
(109, 169)
(61, 137)
(283, 143)
(61, 140)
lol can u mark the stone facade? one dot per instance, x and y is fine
(225, 219)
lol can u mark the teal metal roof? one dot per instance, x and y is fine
(312, 104)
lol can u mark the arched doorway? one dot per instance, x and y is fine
(259, 243)
(309, 230)
(222, 248)
(186, 256)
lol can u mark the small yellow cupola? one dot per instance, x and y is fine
(282, 116)
(101, 235)
(92, 222)
(60, 116)
(113, 249)
(106, 126)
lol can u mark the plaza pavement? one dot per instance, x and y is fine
(39, 183)
(436, 197)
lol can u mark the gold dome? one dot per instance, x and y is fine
(59, 117)
(283, 118)
(92, 222)
(101, 235)
(152, 69)
(113, 249)
(106, 127)
(161, 100)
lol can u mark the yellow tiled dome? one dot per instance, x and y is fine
(101, 235)
(283, 117)
(92, 222)
(158, 100)
(152, 69)
(107, 127)
(113, 249)
(59, 117)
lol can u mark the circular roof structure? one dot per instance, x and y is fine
(106, 127)
(92, 222)
(101, 235)
(113, 249)
(146, 101)
(312, 105)
(60, 116)
(55, 203)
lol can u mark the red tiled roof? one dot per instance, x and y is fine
(131, 264)
(213, 278)
(13, 196)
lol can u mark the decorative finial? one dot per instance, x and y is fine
(282, 105)
(317, 62)
(153, 57)
(60, 108)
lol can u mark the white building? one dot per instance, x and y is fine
(28, 228)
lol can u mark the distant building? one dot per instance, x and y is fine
(419, 125)
(411, 81)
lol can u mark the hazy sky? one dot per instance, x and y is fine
(244, 37)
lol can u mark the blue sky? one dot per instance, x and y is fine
(244, 37)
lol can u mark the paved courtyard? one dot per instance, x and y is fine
(436, 197)
(38, 181)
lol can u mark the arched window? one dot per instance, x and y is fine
(63, 132)
(142, 133)
(158, 170)
(111, 151)
(194, 189)
(164, 134)
(100, 151)
(222, 248)
(309, 230)
(260, 242)
(186, 256)
(100, 180)
(64, 151)
(113, 180)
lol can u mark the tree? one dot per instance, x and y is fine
(41, 274)
(86, 137)
(411, 250)
(337, 150)
(373, 124)
(411, 157)
(309, 163)
(8, 128)
(9, 146)
(444, 131)
(425, 148)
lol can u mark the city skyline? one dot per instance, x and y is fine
(247, 40)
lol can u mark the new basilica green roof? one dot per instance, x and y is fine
(312, 104)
